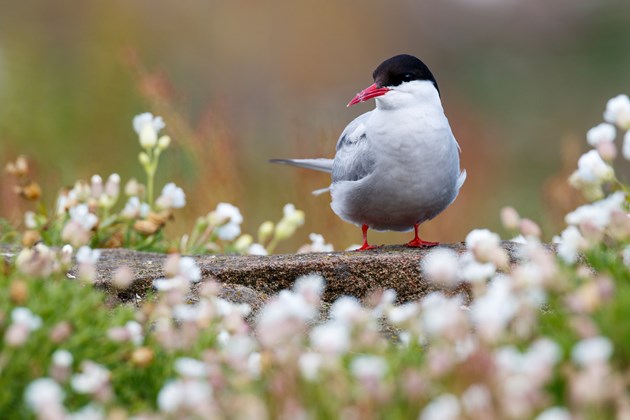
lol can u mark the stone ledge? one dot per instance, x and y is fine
(347, 273)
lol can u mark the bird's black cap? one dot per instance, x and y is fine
(402, 68)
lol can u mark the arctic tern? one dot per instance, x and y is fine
(396, 166)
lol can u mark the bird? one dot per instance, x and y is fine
(397, 166)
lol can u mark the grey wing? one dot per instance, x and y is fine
(354, 160)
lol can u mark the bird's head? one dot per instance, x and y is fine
(401, 78)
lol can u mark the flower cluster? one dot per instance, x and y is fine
(595, 172)
(538, 331)
(220, 231)
(92, 213)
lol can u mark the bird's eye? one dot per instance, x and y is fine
(407, 77)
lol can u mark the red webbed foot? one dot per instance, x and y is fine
(416, 242)
(366, 246)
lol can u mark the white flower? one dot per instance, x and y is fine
(91, 411)
(81, 215)
(601, 133)
(191, 368)
(188, 268)
(24, 316)
(147, 127)
(592, 351)
(442, 316)
(555, 413)
(310, 286)
(62, 358)
(331, 338)
(485, 246)
(444, 407)
(593, 169)
(625, 150)
(135, 209)
(310, 364)
(475, 272)
(441, 265)
(112, 187)
(183, 394)
(368, 367)
(29, 220)
(284, 318)
(346, 310)
(164, 285)
(401, 314)
(256, 249)
(291, 220)
(618, 111)
(318, 244)
(134, 329)
(86, 255)
(172, 197)
(493, 311)
(43, 393)
(97, 186)
(228, 218)
(570, 243)
(598, 213)
(93, 378)
(476, 398)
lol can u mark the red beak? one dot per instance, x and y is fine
(368, 93)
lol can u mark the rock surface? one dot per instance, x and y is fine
(252, 279)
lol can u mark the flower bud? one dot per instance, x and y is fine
(148, 136)
(243, 242)
(164, 142)
(607, 150)
(510, 218)
(142, 356)
(530, 228)
(265, 231)
(112, 187)
(144, 159)
(122, 278)
(97, 186)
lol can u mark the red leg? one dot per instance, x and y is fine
(416, 242)
(365, 245)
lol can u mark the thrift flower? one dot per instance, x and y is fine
(601, 133)
(147, 127)
(555, 413)
(618, 111)
(172, 197)
(570, 244)
(94, 379)
(317, 245)
(45, 397)
(593, 169)
(625, 150)
(368, 367)
(331, 338)
(444, 407)
(256, 249)
(591, 351)
(441, 265)
(185, 395)
(291, 220)
(310, 364)
(228, 220)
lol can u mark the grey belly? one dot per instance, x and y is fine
(391, 203)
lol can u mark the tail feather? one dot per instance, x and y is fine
(320, 164)
(461, 179)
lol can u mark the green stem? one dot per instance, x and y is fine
(150, 175)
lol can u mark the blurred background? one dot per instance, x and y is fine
(239, 82)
